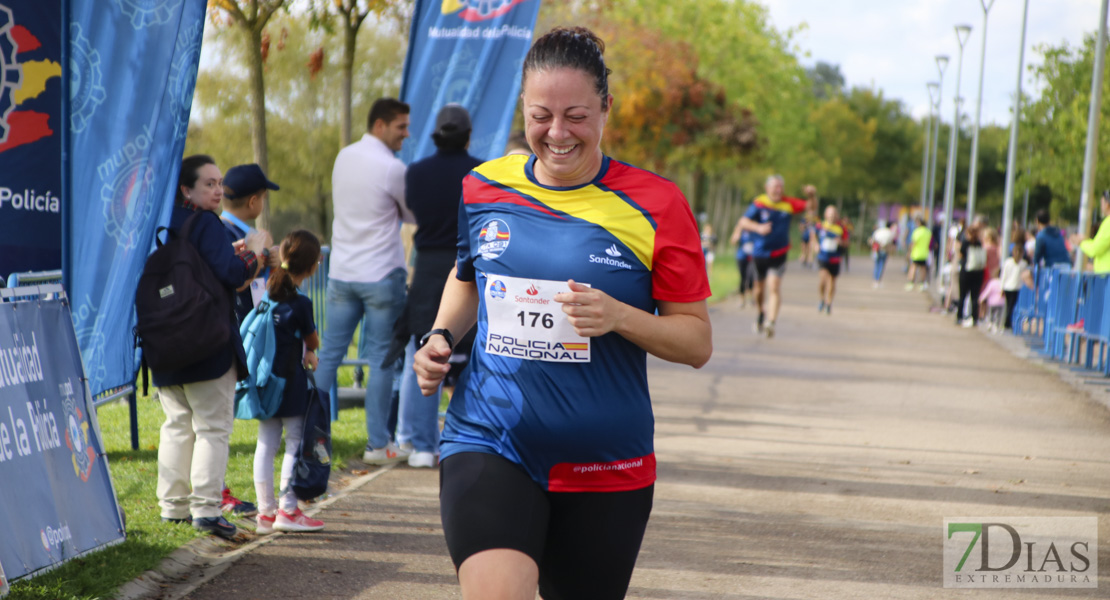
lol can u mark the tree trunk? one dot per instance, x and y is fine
(258, 113)
(350, 36)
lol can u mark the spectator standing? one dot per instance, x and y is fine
(1050, 247)
(1098, 248)
(973, 259)
(366, 277)
(297, 341)
(993, 253)
(246, 191)
(992, 297)
(198, 399)
(433, 188)
(1012, 269)
(881, 241)
(920, 242)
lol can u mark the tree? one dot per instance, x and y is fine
(301, 77)
(1055, 123)
(351, 14)
(250, 17)
(845, 149)
(895, 171)
(827, 80)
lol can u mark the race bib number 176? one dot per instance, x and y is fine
(524, 321)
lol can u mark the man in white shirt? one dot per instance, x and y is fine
(366, 278)
(881, 240)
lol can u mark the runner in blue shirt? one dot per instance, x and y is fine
(575, 267)
(768, 220)
(831, 242)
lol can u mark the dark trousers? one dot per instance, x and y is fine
(970, 284)
(747, 281)
(1011, 301)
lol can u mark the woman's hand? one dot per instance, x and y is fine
(310, 360)
(591, 311)
(430, 364)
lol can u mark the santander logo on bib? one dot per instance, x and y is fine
(532, 291)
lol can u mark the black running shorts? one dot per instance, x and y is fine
(832, 268)
(774, 264)
(585, 544)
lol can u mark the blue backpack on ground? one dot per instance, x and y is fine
(313, 465)
(259, 395)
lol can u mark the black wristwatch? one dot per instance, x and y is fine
(445, 333)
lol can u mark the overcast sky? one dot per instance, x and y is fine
(890, 44)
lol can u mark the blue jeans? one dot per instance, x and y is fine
(380, 303)
(418, 422)
(880, 264)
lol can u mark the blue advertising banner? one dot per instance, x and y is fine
(57, 500)
(30, 135)
(133, 66)
(467, 52)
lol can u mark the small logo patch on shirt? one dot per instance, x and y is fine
(166, 291)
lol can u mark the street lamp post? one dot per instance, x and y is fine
(1091, 155)
(973, 168)
(942, 64)
(932, 87)
(1011, 158)
(962, 33)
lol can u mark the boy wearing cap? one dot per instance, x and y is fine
(246, 190)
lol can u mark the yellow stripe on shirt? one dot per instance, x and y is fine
(590, 203)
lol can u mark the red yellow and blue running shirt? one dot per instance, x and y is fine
(574, 413)
(778, 214)
(830, 239)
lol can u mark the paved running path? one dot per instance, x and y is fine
(818, 464)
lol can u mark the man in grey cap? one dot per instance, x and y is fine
(433, 189)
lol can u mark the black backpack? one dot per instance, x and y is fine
(312, 468)
(183, 313)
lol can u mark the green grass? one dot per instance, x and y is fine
(134, 473)
(724, 278)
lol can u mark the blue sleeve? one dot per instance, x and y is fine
(1038, 250)
(752, 212)
(303, 310)
(464, 264)
(210, 238)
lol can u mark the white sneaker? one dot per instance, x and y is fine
(769, 329)
(298, 521)
(265, 524)
(384, 456)
(423, 460)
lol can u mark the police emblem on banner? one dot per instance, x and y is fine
(85, 90)
(77, 438)
(11, 76)
(148, 13)
(128, 196)
(478, 10)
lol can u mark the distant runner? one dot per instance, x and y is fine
(832, 240)
(768, 220)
